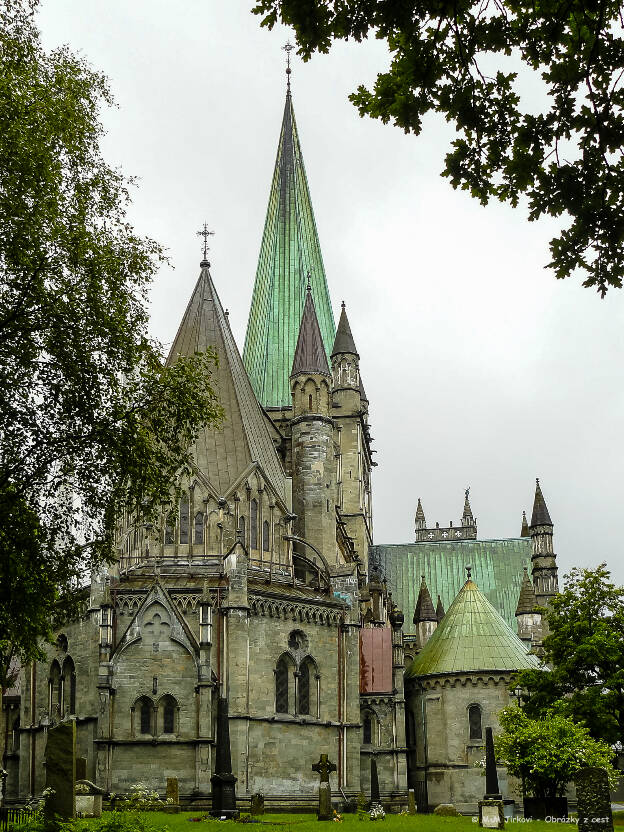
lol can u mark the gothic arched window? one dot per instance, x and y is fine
(168, 708)
(69, 686)
(168, 530)
(253, 525)
(55, 687)
(145, 712)
(241, 526)
(474, 722)
(198, 532)
(304, 689)
(281, 686)
(265, 536)
(367, 729)
(184, 520)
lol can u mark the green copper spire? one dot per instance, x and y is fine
(290, 251)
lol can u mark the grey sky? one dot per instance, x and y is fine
(481, 368)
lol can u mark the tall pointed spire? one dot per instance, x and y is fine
(424, 610)
(290, 250)
(524, 530)
(526, 600)
(310, 355)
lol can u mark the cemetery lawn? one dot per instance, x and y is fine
(350, 823)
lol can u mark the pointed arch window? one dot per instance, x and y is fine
(304, 689)
(198, 532)
(145, 713)
(168, 709)
(168, 530)
(184, 520)
(265, 536)
(474, 722)
(55, 691)
(367, 729)
(241, 526)
(253, 525)
(69, 686)
(281, 686)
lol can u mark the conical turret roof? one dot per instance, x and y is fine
(344, 339)
(439, 609)
(527, 600)
(540, 516)
(472, 636)
(424, 605)
(310, 355)
(290, 250)
(222, 455)
(524, 530)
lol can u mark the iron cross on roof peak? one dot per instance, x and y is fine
(288, 49)
(205, 234)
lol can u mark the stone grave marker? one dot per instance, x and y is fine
(324, 767)
(257, 804)
(60, 764)
(374, 778)
(491, 810)
(594, 800)
(173, 793)
(411, 802)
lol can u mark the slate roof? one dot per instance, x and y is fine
(497, 565)
(310, 355)
(472, 636)
(224, 454)
(290, 250)
(540, 516)
(344, 342)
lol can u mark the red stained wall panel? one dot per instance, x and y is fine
(376, 660)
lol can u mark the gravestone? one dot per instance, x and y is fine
(81, 768)
(60, 765)
(172, 791)
(594, 800)
(223, 781)
(257, 804)
(375, 798)
(88, 799)
(491, 810)
(411, 802)
(324, 767)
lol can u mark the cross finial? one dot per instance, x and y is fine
(467, 492)
(309, 287)
(288, 49)
(469, 572)
(205, 234)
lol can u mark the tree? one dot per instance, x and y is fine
(585, 649)
(561, 150)
(546, 753)
(93, 423)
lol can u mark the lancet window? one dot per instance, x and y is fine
(198, 532)
(474, 722)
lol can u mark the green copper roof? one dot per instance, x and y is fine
(497, 566)
(290, 250)
(471, 636)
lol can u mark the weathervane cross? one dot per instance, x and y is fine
(205, 234)
(288, 49)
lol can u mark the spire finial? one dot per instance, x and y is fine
(205, 234)
(467, 492)
(288, 49)
(343, 304)
(309, 286)
(469, 572)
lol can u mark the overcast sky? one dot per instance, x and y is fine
(482, 369)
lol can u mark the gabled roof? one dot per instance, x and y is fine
(344, 342)
(472, 636)
(290, 250)
(527, 600)
(310, 355)
(540, 516)
(424, 610)
(222, 455)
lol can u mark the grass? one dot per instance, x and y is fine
(309, 823)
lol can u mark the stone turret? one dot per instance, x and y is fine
(468, 521)
(543, 558)
(524, 530)
(350, 413)
(314, 459)
(425, 618)
(420, 521)
(529, 621)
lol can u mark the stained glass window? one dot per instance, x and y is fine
(281, 687)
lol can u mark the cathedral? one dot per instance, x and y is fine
(262, 586)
